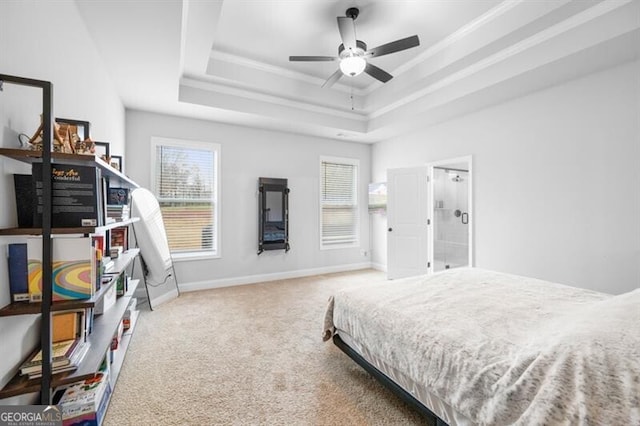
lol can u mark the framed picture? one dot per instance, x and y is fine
(102, 150)
(116, 162)
(83, 127)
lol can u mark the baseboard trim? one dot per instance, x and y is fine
(165, 297)
(252, 279)
(379, 266)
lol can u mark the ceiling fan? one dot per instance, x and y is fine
(353, 54)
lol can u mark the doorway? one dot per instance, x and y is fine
(450, 239)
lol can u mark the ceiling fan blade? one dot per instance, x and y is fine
(377, 73)
(312, 58)
(347, 30)
(394, 46)
(331, 80)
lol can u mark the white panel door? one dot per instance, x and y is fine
(407, 218)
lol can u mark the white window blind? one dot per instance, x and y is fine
(185, 183)
(338, 202)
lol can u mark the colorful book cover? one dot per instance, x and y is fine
(18, 272)
(73, 268)
(84, 402)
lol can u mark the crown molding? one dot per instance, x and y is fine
(294, 75)
(233, 88)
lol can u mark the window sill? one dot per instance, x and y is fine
(340, 246)
(188, 257)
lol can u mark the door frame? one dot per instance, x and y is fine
(431, 208)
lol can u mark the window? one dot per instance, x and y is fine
(185, 180)
(338, 202)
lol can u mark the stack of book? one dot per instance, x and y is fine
(118, 212)
(85, 402)
(65, 356)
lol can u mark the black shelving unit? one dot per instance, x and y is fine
(45, 306)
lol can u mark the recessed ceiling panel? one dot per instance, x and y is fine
(270, 31)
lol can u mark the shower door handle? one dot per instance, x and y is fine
(465, 218)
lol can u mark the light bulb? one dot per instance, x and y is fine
(352, 65)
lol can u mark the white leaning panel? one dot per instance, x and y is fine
(151, 235)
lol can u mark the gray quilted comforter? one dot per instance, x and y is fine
(503, 349)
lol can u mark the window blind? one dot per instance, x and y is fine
(185, 185)
(339, 203)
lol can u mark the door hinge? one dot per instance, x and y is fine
(428, 221)
(428, 264)
(428, 179)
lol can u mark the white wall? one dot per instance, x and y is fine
(556, 180)
(246, 155)
(46, 41)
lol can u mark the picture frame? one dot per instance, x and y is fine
(117, 163)
(102, 150)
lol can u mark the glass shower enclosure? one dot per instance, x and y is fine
(451, 218)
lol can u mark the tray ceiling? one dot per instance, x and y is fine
(228, 60)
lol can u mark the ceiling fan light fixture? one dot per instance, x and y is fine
(352, 65)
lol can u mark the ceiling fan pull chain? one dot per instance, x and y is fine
(351, 96)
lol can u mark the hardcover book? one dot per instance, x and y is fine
(73, 268)
(118, 196)
(18, 273)
(77, 196)
(23, 185)
(66, 325)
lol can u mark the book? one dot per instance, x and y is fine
(61, 353)
(18, 272)
(120, 237)
(78, 354)
(84, 402)
(23, 185)
(118, 196)
(87, 409)
(73, 268)
(98, 243)
(76, 196)
(65, 325)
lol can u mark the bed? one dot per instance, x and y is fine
(472, 346)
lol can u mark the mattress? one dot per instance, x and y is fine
(492, 348)
(440, 408)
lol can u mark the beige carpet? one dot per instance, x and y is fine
(249, 354)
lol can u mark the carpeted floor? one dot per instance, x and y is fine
(249, 355)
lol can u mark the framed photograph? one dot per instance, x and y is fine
(82, 126)
(116, 163)
(102, 150)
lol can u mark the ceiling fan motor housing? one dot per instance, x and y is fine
(361, 48)
(352, 13)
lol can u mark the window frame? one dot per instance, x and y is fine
(215, 199)
(347, 161)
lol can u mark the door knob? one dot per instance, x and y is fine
(390, 229)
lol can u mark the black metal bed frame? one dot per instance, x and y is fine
(387, 382)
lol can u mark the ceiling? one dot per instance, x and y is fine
(227, 60)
